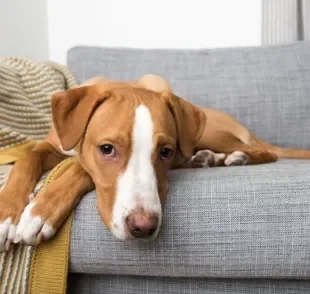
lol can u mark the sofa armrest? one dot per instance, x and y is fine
(242, 222)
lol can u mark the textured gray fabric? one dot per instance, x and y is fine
(149, 285)
(251, 221)
(267, 89)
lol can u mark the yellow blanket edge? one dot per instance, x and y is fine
(50, 260)
(15, 152)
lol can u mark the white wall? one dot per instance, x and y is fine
(23, 29)
(46, 29)
(156, 24)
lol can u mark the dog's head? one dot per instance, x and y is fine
(126, 139)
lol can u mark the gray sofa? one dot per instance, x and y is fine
(225, 230)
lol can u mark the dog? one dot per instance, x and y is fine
(125, 136)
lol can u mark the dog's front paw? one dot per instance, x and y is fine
(7, 233)
(10, 211)
(206, 158)
(35, 224)
(237, 158)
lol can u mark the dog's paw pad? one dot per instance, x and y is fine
(31, 230)
(236, 158)
(205, 158)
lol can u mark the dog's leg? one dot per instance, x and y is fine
(208, 158)
(249, 155)
(18, 189)
(235, 152)
(53, 204)
(245, 155)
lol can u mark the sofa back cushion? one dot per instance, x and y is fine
(266, 88)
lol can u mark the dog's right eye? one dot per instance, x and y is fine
(107, 150)
(166, 153)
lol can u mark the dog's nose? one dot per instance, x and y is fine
(141, 225)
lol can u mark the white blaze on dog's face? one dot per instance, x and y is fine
(136, 187)
(127, 150)
(127, 139)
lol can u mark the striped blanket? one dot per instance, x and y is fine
(25, 111)
(25, 118)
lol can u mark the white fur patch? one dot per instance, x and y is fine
(8, 231)
(4, 232)
(70, 153)
(137, 185)
(31, 197)
(237, 158)
(219, 156)
(29, 227)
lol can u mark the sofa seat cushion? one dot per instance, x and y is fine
(249, 221)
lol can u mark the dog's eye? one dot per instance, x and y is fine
(107, 150)
(165, 153)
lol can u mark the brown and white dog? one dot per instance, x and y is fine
(125, 136)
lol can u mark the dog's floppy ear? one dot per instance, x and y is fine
(190, 122)
(72, 110)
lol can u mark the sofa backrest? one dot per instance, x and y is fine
(265, 88)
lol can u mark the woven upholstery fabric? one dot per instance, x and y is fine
(149, 285)
(250, 221)
(265, 88)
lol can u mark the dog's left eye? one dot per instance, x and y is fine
(165, 153)
(107, 150)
